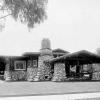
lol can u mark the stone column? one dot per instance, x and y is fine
(7, 74)
(59, 72)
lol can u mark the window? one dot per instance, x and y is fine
(29, 63)
(20, 65)
(34, 63)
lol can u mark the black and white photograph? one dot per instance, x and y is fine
(50, 49)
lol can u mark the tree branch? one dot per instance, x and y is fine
(5, 16)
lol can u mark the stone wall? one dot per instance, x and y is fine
(15, 75)
(59, 72)
(18, 75)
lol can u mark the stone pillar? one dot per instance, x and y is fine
(44, 69)
(7, 74)
(59, 72)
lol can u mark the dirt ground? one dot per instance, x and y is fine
(46, 88)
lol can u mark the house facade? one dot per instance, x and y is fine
(30, 66)
(49, 65)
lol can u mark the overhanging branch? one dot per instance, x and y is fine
(5, 16)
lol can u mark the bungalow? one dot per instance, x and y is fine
(48, 64)
(84, 63)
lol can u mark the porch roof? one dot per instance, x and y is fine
(59, 51)
(83, 57)
(31, 54)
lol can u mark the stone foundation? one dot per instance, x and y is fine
(59, 72)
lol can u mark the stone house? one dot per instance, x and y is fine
(30, 66)
(47, 65)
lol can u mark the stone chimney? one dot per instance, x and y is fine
(45, 47)
(44, 70)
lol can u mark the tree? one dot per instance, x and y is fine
(29, 12)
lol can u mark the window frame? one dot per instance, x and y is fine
(22, 62)
(36, 63)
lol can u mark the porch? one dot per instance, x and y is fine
(80, 65)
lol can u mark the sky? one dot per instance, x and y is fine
(71, 25)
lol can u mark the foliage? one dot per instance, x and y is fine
(30, 12)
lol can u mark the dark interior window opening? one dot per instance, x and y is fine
(2, 68)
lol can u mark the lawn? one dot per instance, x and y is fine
(36, 88)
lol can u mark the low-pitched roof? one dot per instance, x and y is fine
(80, 55)
(59, 51)
(55, 51)
(13, 57)
(31, 54)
